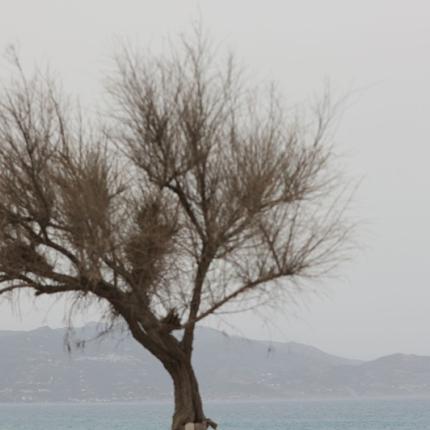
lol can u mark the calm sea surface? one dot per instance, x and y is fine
(276, 415)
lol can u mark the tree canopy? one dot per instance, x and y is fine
(195, 193)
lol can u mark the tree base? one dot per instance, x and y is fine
(201, 426)
(196, 426)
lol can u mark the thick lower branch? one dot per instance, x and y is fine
(202, 270)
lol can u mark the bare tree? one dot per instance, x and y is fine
(197, 195)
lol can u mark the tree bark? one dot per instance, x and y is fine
(188, 403)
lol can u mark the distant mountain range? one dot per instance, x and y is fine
(35, 367)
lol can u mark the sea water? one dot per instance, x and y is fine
(412, 414)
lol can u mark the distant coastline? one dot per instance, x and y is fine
(37, 368)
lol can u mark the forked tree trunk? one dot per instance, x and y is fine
(188, 403)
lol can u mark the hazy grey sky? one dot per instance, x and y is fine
(381, 304)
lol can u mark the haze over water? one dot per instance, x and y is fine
(413, 414)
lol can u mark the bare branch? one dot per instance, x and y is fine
(199, 194)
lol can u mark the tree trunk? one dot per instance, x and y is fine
(188, 403)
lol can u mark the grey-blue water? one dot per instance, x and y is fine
(276, 415)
